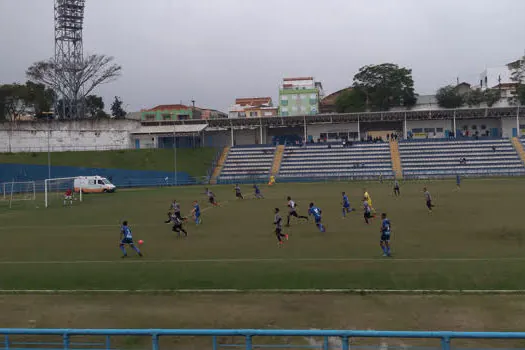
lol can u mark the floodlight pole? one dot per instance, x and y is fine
(174, 154)
(518, 131)
(48, 149)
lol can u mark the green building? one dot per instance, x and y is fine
(299, 96)
(171, 112)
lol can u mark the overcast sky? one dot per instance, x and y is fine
(216, 50)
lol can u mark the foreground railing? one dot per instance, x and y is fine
(250, 338)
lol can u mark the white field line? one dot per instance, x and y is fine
(271, 291)
(260, 260)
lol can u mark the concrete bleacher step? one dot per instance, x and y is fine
(220, 165)
(397, 168)
(518, 146)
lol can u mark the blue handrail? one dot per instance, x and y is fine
(344, 335)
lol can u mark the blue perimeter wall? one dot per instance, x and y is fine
(119, 177)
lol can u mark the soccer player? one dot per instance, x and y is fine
(177, 224)
(68, 197)
(458, 181)
(369, 200)
(346, 205)
(196, 212)
(428, 199)
(316, 212)
(211, 197)
(292, 211)
(272, 181)
(385, 235)
(175, 206)
(238, 192)
(126, 238)
(258, 194)
(367, 212)
(278, 222)
(397, 193)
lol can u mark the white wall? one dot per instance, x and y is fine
(316, 130)
(66, 136)
(429, 124)
(245, 137)
(507, 124)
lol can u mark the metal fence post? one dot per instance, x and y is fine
(326, 344)
(65, 341)
(214, 342)
(155, 342)
(345, 342)
(248, 342)
(108, 342)
(445, 343)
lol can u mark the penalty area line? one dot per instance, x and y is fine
(260, 260)
(414, 292)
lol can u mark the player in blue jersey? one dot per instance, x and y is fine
(126, 238)
(258, 194)
(458, 181)
(346, 205)
(316, 213)
(386, 228)
(196, 212)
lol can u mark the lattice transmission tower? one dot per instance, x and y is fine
(69, 23)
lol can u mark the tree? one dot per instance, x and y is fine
(40, 98)
(353, 100)
(385, 86)
(116, 109)
(491, 96)
(518, 76)
(93, 71)
(474, 97)
(94, 105)
(15, 99)
(449, 97)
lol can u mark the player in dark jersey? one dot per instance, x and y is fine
(428, 199)
(177, 224)
(386, 228)
(175, 206)
(126, 238)
(278, 222)
(397, 193)
(238, 192)
(211, 197)
(367, 211)
(458, 182)
(292, 211)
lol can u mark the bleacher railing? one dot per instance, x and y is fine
(65, 338)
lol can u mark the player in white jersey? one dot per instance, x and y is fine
(292, 211)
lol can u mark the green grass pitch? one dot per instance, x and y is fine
(473, 240)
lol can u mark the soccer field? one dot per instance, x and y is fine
(473, 240)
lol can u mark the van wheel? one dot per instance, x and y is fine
(105, 191)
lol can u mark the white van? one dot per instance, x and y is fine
(93, 184)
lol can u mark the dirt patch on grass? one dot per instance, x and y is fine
(460, 313)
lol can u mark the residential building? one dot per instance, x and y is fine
(171, 112)
(500, 78)
(207, 114)
(300, 96)
(252, 107)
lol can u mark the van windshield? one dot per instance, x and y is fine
(106, 181)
